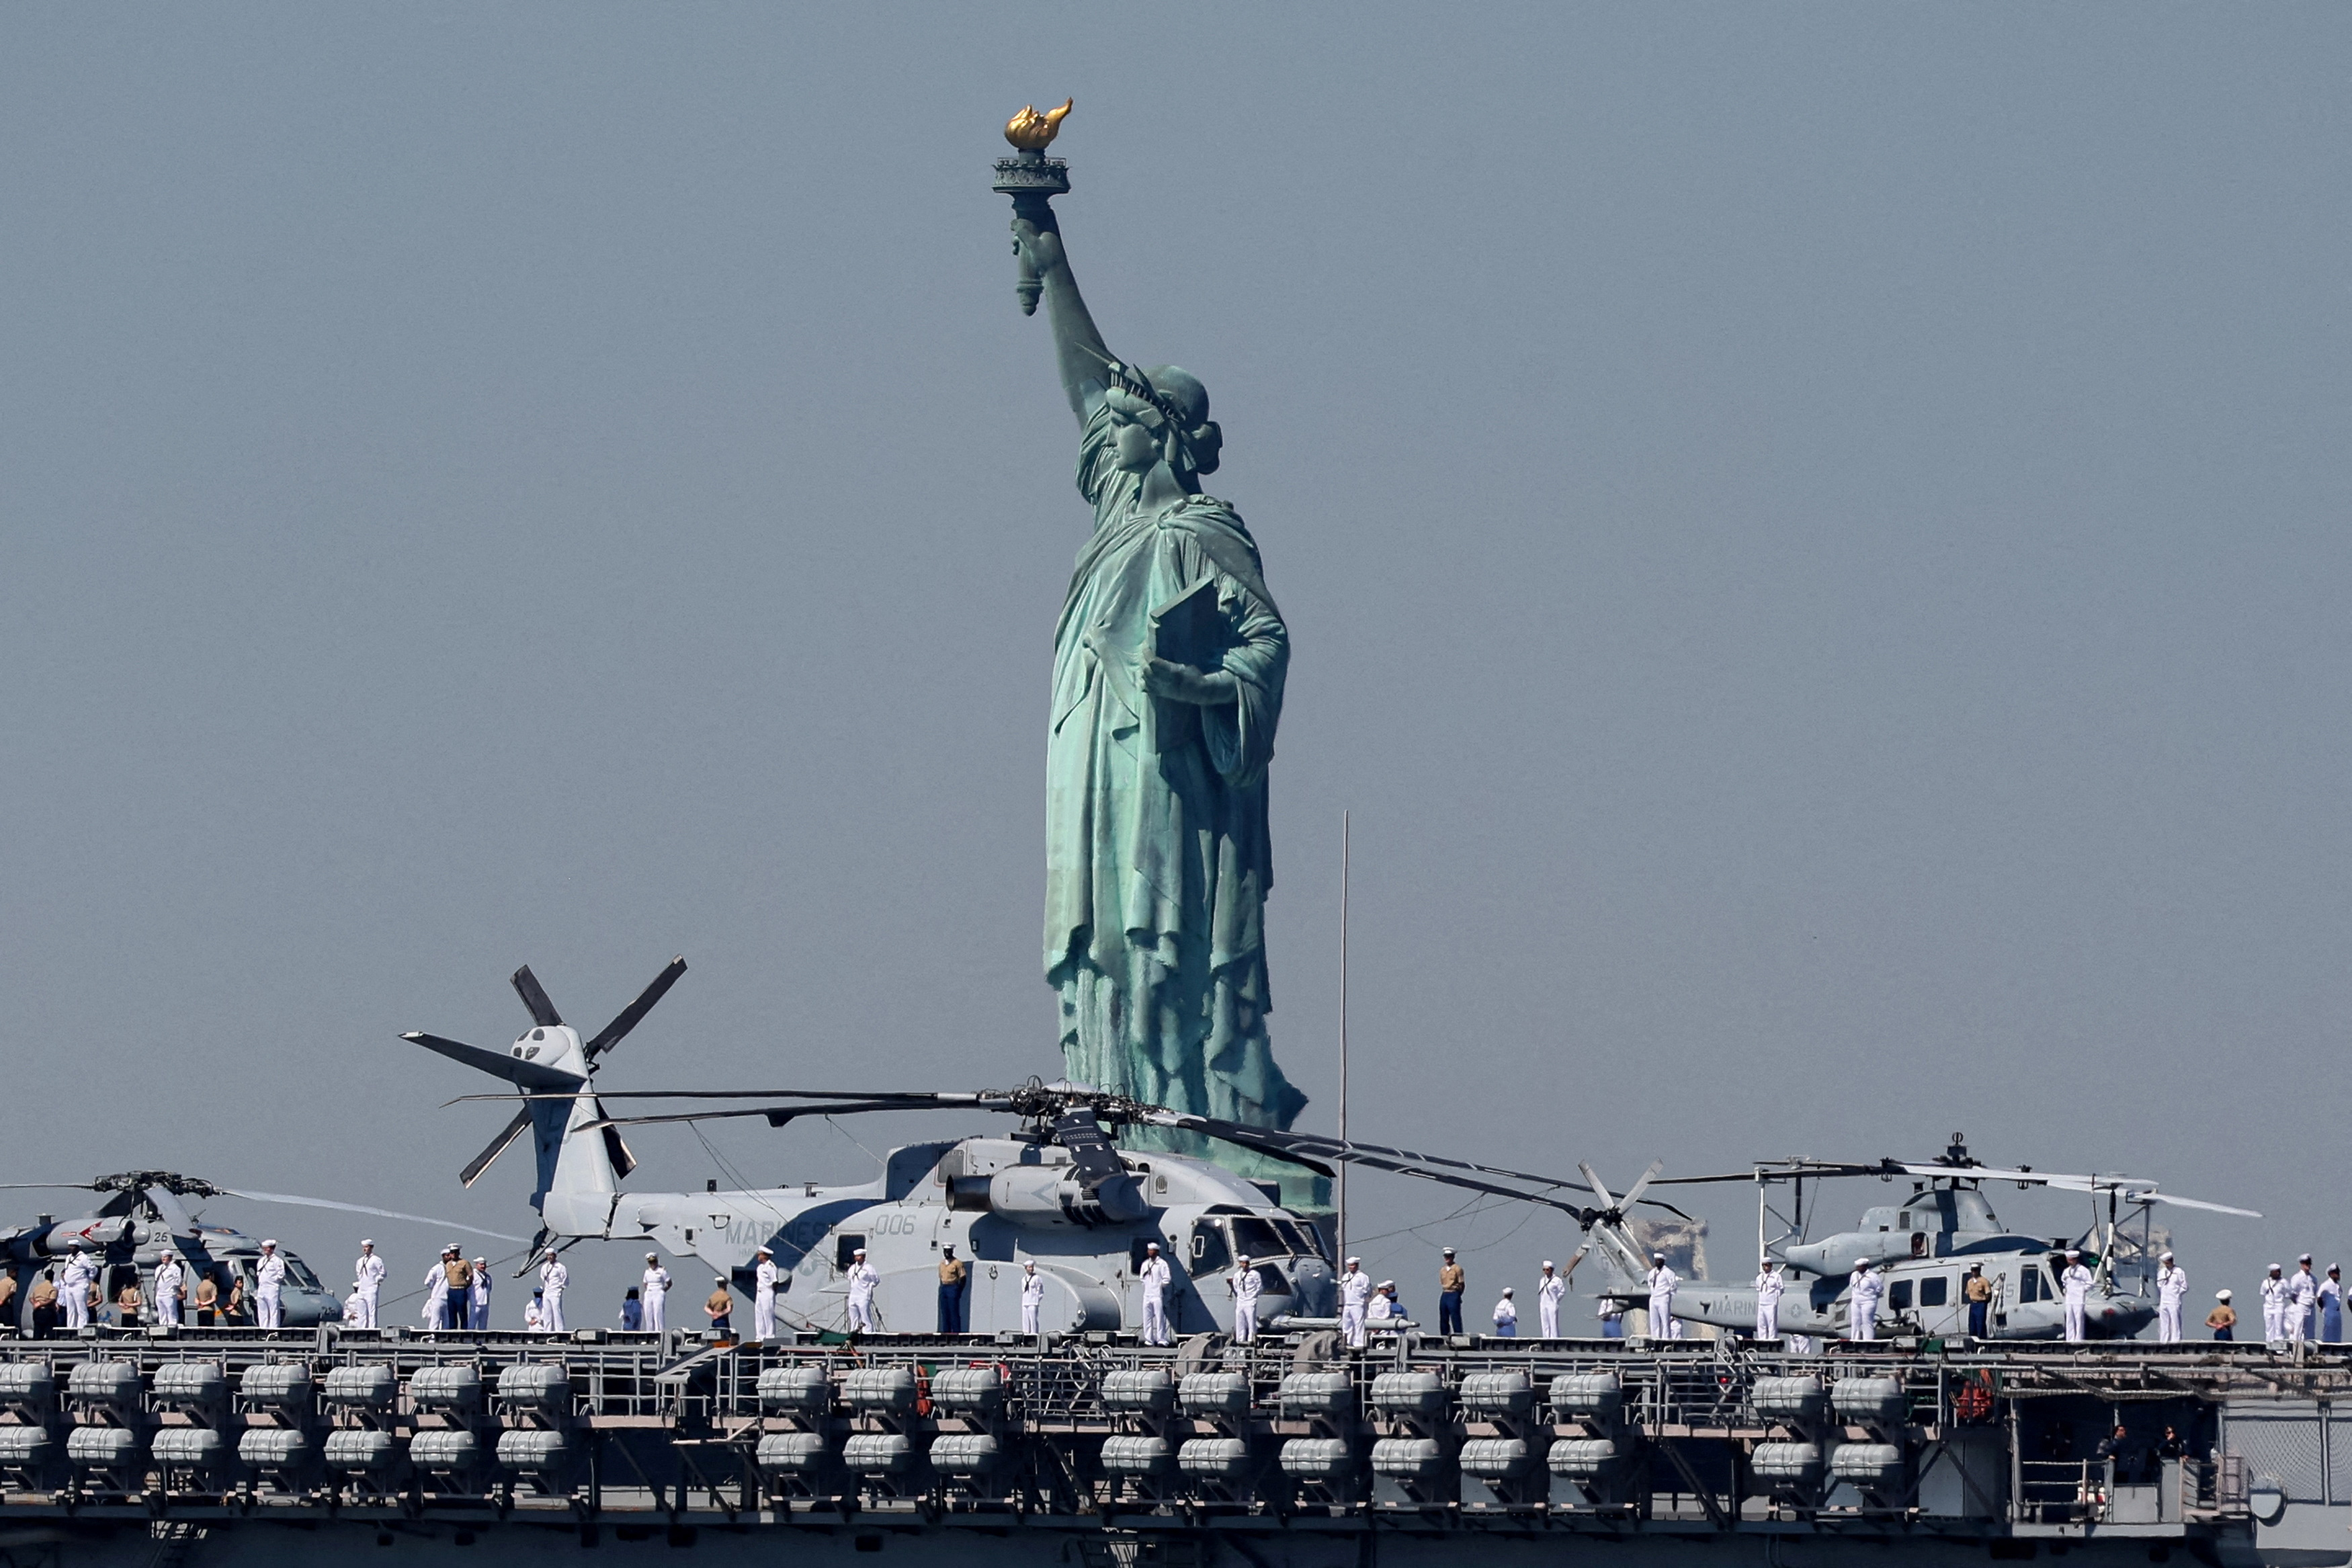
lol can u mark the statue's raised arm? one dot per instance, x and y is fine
(1079, 351)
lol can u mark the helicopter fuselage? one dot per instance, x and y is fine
(999, 1203)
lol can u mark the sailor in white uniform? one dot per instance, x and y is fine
(1507, 1316)
(1032, 1298)
(1154, 1277)
(171, 1283)
(2274, 1299)
(655, 1288)
(367, 1283)
(1770, 1284)
(1355, 1295)
(2171, 1289)
(863, 1277)
(2302, 1301)
(552, 1278)
(1548, 1291)
(478, 1294)
(1247, 1286)
(270, 1287)
(1662, 1282)
(763, 1295)
(436, 1293)
(1861, 1306)
(2076, 1283)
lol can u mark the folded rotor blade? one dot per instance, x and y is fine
(496, 1147)
(364, 1208)
(629, 1017)
(534, 996)
(175, 1214)
(1592, 1179)
(514, 1069)
(1633, 1194)
(617, 1152)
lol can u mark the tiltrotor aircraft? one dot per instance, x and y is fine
(1055, 1191)
(1925, 1245)
(144, 1215)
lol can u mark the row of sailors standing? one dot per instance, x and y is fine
(2298, 1306)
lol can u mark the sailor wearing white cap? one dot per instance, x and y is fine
(2171, 1289)
(1548, 1291)
(1507, 1316)
(2302, 1301)
(656, 1289)
(862, 1278)
(1154, 1277)
(1033, 1296)
(436, 1291)
(74, 1282)
(2274, 1304)
(477, 1296)
(1861, 1304)
(1769, 1287)
(171, 1283)
(367, 1282)
(2331, 1306)
(553, 1276)
(268, 1288)
(1355, 1295)
(1663, 1280)
(1248, 1285)
(763, 1295)
(2076, 1283)
(2223, 1319)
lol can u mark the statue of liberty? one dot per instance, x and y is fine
(1169, 661)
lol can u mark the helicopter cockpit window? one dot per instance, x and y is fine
(1254, 1238)
(299, 1272)
(2029, 1283)
(1209, 1250)
(1306, 1241)
(1899, 1296)
(1936, 1291)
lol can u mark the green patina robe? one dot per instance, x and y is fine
(1157, 858)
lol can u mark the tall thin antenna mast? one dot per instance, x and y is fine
(1342, 1194)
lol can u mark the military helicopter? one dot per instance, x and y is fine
(1924, 1246)
(1055, 1191)
(143, 1217)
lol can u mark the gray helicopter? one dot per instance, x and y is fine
(1055, 1191)
(1924, 1246)
(143, 1218)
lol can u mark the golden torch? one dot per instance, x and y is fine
(1033, 179)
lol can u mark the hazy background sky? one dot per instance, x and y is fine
(1815, 538)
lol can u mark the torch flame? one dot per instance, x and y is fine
(1032, 132)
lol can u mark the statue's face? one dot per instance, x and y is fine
(1135, 448)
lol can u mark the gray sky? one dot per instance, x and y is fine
(1815, 539)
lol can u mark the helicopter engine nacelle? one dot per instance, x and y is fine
(1045, 1195)
(57, 1240)
(1837, 1254)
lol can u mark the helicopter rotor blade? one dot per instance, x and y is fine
(497, 1146)
(252, 1196)
(629, 1017)
(2152, 1195)
(534, 996)
(617, 1152)
(174, 1213)
(1633, 1194)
